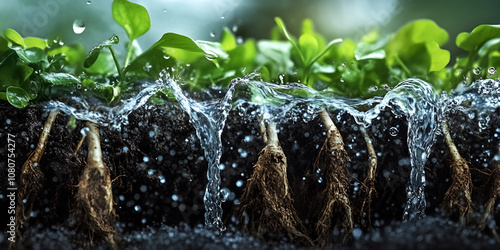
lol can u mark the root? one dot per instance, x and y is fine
(266, 205)
(31, 177)
(335, 198)
(368, 190)
(94, 208)
(458, 195)
(494, 194)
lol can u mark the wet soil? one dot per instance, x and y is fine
(159, 173)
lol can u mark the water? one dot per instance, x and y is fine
(208, 118)
(87, 110)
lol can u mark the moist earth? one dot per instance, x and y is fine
(158, 173)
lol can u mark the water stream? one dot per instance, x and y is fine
(208, 118)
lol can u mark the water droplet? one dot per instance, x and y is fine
(212, 34)
(84, 131)
(175, 197)
(222, 17)
(492, 71)
(137, 208)
(78, 26)
(356, 232)
(89, 2)
(125, 149)
(166, 57)
(393, 131)
(224, 193)
(341, 79)
(281, 79)
(151, 172)
(147, 67)
(239, 183)
(344, 64)
(164, 10)
(477, 71)
(235, 28)
(144, 188)
(8, 121)
(162, 179)
(145, 159)
(78, 86)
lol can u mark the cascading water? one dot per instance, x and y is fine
(208, 118)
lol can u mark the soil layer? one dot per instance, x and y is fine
(158, 171)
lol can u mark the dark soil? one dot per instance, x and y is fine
(159, 172)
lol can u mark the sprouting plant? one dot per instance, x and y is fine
(310, 47)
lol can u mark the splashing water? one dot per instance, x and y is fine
(117, 116)
(208, 118)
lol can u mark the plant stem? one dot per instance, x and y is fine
(129, 52)
(403, 65)
(118, 68)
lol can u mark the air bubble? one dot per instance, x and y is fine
(393, 131)
(224, 193)
(175, 197)
(477, 71)
(78, 26)
(239, 183)
(492, 71)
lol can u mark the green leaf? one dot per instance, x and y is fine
(96, 51)
(32, 55)
(3, 45)
(103, 65)
(35, 42)
(17, 97)
(415, 48)
(309, 47)
(134, 18)
(60, 78)
(14, 37)
(228, 41)
(287, 35)
(480, 35)
(180, 47)
(13, 73)
(3, 96)
(74, 54)
(439, 57)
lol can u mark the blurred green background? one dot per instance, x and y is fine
(204, 19)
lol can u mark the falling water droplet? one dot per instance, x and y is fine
(393, 131)
(89, 2)
(235, 28)
(341, 79)
(164, 10)
(492, 71)
(477, 71)
(78, 26)
(222, 17)
(212, 34)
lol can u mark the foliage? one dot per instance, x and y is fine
(34, 69)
